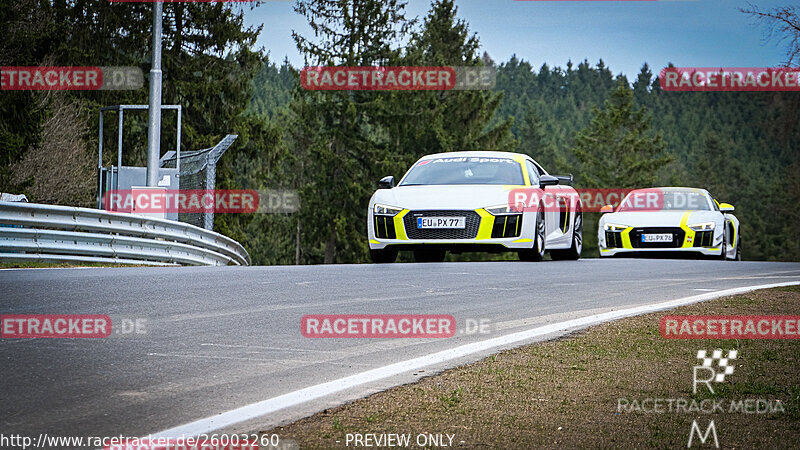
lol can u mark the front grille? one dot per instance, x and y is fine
(677, 237)
(384, 227)
(507, 226)
(613, 239)
(473, 221)
(704, 239)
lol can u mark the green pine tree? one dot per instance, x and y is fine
(337, 139)
(617, 149)
(533, 140)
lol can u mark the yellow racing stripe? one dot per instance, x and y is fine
(688, 240)
(487, 223)
(399, 227)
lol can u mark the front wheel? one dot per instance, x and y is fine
(574, 252)
(538, 250)
(383, 256)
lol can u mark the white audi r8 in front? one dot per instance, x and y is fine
(459, 202)
(670, 219)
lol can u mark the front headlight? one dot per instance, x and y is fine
(383, 210)
(705, 226)
(614, 227)
(501, 210)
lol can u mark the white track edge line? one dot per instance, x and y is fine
(318, 391)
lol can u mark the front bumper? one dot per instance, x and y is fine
(711, 251)
(483, 231)
(684, 240)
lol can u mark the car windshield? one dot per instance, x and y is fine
(665, 200)
(465, 170)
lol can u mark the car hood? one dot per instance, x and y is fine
(660, 218)
(444, 197)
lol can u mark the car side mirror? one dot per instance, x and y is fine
(548, 180)
(607, 209)
(565, 179)
(386, 182)
(726, 207)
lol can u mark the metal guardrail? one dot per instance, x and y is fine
(64, 233)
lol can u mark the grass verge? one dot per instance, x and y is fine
(565, 393)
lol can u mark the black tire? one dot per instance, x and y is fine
(724, 252)
(429, 255)
(738, 248)
(574, 252)
(385, 256)
(537, 252)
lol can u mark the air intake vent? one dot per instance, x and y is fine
(704, 239)
(507, 226)
(384, 227)
(613, 239)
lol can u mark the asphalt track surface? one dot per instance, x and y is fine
(217, 339)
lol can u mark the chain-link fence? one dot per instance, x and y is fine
(199, 171)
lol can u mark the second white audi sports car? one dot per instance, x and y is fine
(670, 219)
(460, 202)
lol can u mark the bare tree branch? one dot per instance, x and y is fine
(782, 23)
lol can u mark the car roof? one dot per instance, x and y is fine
(476, 154)
(675, 188)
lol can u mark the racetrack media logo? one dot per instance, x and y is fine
(724, 367)
(714, 368)
(400, 78)
(70, 78)
(704, 79)
(710, 430)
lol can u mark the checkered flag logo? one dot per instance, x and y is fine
(723, 364)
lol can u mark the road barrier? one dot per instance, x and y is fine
(37, 232)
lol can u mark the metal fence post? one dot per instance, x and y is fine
(154, 122)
